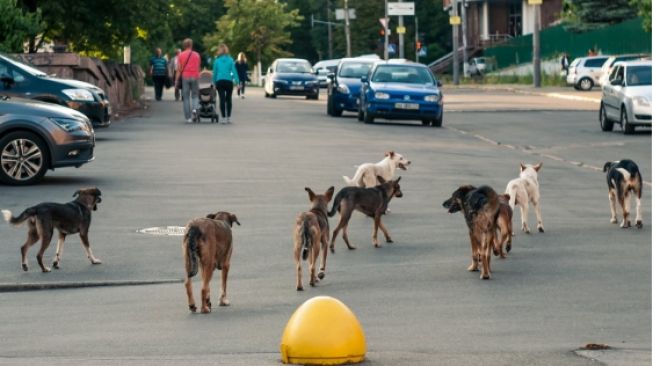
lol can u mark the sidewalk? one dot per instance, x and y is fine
(569, 93)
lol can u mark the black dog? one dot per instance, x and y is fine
(481, 208)
(623, 178)
(69, 218)
(372, 202)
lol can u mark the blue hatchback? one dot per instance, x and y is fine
(344, 85)
(400, 89)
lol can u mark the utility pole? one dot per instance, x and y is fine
(536, 46)
(401, 35)
(330, 34)
(456, 64)
(464, 29)
(385, 32)
(347, 34)
(416, 39)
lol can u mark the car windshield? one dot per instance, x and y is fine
(300, 67)
(28, 69)
(639, 75)
(402, 74)
(354, 70)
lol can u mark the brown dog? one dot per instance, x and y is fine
(504, 226)
(480, 207)
(69, 218)
(312, 231)
(372, 202)
(209, 242)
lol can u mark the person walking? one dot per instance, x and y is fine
(564, 63)
(159, 73)
(172, 72)
(188, 73)
(241, 67)
(224, 75)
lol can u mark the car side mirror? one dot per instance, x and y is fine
(617, 82)
(438, 83)
(364, 79)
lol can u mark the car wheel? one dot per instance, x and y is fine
(604, 121)
(23, 158)
(585, 84)
(367, 117)
(273, 95)
(330, 105)
(627, 127)
(426, 122)
(437, 122)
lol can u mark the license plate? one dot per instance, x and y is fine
(412, 106)
(296, 87)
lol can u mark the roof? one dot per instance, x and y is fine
(634, 63)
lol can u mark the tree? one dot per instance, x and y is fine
(584, 15)
(17, 26)
(644, 11)
(260, 28)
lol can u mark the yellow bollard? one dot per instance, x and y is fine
(323, 331)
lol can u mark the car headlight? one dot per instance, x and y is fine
(434, 98)
(642, 101)
(342, 88)
(71, 125)
(381, 95)
(81, 95)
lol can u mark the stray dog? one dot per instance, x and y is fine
(480, 207)
(312, 231)
(623, 178)
(372, 202)
(69, 218)
(366, 174)
(526, 189)
(208, 242)
(504, 226)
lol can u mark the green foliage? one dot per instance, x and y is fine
(584, 15)
(260, 28)
(17, 26)
(644, 11)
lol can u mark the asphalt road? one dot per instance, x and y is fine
(582, 281)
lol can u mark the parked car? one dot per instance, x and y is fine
(607, 65)
(37, 136)
(344, 85)
(324, 68)
(291, 76)
(400, 89)
(584, 72)
(626, 98)
(20, 80)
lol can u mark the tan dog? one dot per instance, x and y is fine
(69, 218)
(209, 242)
(310, 233)
(526, 189)
(504, 226)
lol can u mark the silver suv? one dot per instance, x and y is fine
(585, 72)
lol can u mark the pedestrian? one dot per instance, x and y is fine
(224, 75)
(172, 72)
(564, 63)
(241, 67)
(188, 67)
(158, 72)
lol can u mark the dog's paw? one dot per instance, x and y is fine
(473, 268)
(540, 229)
(25, 268)
(96, 261)
(508, 247)
(55, 264)
(639, 224)
(503, 256)
(625, 224)
(333, 250)
(485, 277)
(613, 220)
(192, 308)
(224, 302)
(388, 240)
(351, 247)
(300, 288)
(321, 275)
(206, 310)
(46, 269)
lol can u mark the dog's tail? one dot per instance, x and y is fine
(348, 181)
(512, 191)
(357, 179)
(9, 217)
(336, 203)
(306, 238)
(191, 239)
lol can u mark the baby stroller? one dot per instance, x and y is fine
(207, 98)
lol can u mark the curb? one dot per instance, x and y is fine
(530, 92)
(19, 287)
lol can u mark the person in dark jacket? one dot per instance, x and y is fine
(159, 73)
(241, 67)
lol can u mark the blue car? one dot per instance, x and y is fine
(344, 85)
(400, 89)
(291, 76)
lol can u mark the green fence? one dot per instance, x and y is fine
(626, 37)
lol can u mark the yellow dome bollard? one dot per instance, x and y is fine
(323, 331)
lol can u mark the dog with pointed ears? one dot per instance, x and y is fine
(367, 173)
(624, 180)
(525, 190)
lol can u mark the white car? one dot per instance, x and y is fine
(324, 68)
(607, 65)
(584, 72)
(626, 98)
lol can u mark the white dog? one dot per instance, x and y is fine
(526, 189)
(366, 174)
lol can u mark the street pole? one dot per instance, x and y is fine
(330, 34)
(464, 29)
(454, 12)
(536, 47)
(385, 43)
(416, 39)
(401, 36)
(347, 35)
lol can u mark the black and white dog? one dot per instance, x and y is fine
(623, 178)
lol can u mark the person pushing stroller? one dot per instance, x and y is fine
(224, 76)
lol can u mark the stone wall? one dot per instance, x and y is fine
(122, 83)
